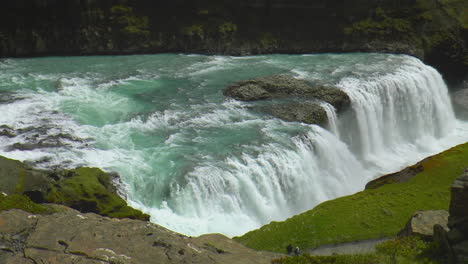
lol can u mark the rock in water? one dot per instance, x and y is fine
(284, 86)
(306, 107)
(422, 223)
(69, 236)
(306, 112)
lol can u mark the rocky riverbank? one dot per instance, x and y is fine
(69, 236)
(76, 216)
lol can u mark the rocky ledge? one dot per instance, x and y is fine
(69, 236)
(304, 100)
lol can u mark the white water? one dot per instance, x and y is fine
(200, 164)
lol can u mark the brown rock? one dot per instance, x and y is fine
(422, 223)
(72, 237)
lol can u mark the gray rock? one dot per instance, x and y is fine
(283, 86)
(442, 239)
(458, 220)
(422, 223)
(304, 107)
(310, 113)
(72, 237)
(459, 205)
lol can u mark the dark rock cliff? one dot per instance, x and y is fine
(434, 30)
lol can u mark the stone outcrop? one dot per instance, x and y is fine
(458, 219)
(69, 236)
(85, 189)
(454, 243)
(303, 98)
(401, 176)
(422, 223)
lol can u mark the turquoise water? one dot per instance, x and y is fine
(199, 162)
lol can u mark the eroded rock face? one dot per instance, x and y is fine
(458, 220)
(72, 237)
(305, 106)
(422, 223)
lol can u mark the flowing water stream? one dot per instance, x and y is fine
(201, 163)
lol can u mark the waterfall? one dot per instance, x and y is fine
(332, 118)
(200, 163)
(393, 121)
(411, 105)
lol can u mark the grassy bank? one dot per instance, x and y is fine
(374, 213)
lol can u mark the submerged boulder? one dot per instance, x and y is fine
(303, 98)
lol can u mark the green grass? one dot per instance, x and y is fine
(19, 201)
(405, 250)
(368, 214)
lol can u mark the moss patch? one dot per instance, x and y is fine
(19, 201)
(90, 190)
(368, 214)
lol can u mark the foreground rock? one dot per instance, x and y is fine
(422, 223)
(458, 219)
(71, 237)
(306, 109)
(84, 189)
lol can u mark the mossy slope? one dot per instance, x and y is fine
(19, 201)
(90, 190)
(84, 189)
(368, 214)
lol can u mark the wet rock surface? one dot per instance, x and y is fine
(310, 113)
(305, 105)
(72, 237)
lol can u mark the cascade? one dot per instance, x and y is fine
(200, 163)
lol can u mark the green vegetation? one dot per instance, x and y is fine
(19, 201)
(194, 30)
(380, 25)
(227, 29)
(130, 23)
(89, 190)
(406, 250)
(369, 214)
